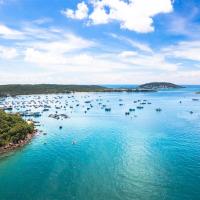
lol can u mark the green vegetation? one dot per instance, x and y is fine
(159, 85)
(14, 90)
(13, 128)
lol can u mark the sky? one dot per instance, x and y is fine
(99, 41)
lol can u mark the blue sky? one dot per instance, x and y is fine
(99, 41)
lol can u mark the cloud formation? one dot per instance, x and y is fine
(59, 56)
(134, 15)
(80, 13)
(9, 33)
(7, 53)
(187, 50)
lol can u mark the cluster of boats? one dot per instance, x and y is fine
(59, 116)
(34, 106)
(28, 113)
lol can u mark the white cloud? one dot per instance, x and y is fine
(68, 43)
(63, 57)
(19, 77)
(8, 53)
(29, 31)
(58, 52)
(43, 20)
(144, 62)
(43, 58)
(139, 45)
(184, 50)
(134, 15)
(8, 33)
(101, 62)
(128, 54)
(80, 13)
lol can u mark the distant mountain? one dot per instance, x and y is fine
(159, 85)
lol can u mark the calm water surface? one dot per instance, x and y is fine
(147, 155)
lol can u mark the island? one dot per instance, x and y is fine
(14, 131)
(159, 85)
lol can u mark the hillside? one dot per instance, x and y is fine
(46, 89)
(13, 130)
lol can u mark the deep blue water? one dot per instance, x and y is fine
(147, 155)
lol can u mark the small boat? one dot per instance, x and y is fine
(9, 108)
(74, 142)
(36, 114)
(140, 107)
(158, 109)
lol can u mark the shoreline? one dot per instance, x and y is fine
(109, 90)
(36, 89)
(11, 146)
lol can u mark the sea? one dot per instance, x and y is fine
(143, 154)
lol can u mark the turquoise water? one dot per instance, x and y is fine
(147, 155)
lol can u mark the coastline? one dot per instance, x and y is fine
(21, 143)
(37, 89)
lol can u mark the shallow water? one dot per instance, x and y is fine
(146, 155)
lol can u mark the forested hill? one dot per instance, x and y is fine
(46, 89)
(13, 129)
(159, 85)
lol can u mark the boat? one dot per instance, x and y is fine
(107, 109)
(45, 109)
(140, 107)
(8, 108)
(36, 114)
(158, 109)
